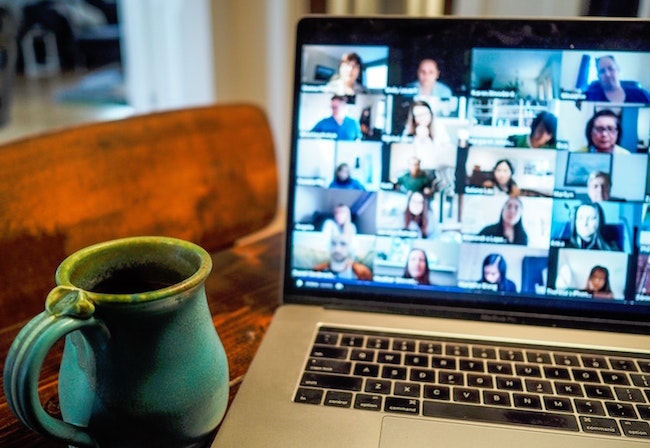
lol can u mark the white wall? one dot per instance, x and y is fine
(522, 8)
(167, 53)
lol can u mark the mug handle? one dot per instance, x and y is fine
(67, 309)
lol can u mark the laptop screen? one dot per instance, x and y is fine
(497, 167)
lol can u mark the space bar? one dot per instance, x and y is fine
(506, 416)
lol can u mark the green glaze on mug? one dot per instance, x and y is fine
(141, 367)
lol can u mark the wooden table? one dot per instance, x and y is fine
(243, 293)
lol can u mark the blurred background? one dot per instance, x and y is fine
(64, 62)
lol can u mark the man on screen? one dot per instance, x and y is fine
(609, 87)
(341, 262)
(339, 123)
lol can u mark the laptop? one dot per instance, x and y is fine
(467, 239)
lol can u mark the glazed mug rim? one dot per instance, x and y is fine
(72, 267)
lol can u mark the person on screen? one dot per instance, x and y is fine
(598, 186)
(598, 283)
(346, 80)
(501, 179)
(604, 133)
(415, 179)
(587, 223)
(417, 215)
(542, 133)
(339, 123)
(609, 87)
(340, 223)
(509, 226)
(422, 126)
(417, 267)
(427, 83)
(494, 273)
(343, 180)
(341, 262)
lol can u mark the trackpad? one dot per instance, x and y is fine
(397, 432)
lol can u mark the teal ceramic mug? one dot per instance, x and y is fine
(142, 363)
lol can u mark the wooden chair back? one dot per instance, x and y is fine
(205, 174)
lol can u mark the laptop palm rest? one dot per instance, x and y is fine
(398, 432)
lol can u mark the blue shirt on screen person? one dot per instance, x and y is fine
(339, 123)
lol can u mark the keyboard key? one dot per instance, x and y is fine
(328, 365)
(369, 370)
(508, 383)
(501, 368)
(594, 362)
(457, 350)
(644, 365)
(527, 401)
(644, 411)
(308, 396)
(640, 380)
(635, 428)
(443, 363)
(557, 373)
(404, 345)
(467, 395)
(591, 407)
(393, 373)
(327, 381)
(620, 410)
(571, 389)
(599, 425)
(378, 386)
(539, 386)
(389, 357)
(432, 348)
(539, 357)
(323, 351)
(437, 392)
(602, 392)
(495, 398)
(407, 389)
(484, 353)
(614, 378)
(511, 355)
(472, 365)
(424, 375)
(566, 360)
(476, 380)
(623, 364)
(558, 404)
(352, 341)
(362, 355)
(494, 414)
(629, 394)
(402, 405)
(528, 370)
(586, 375)
(368, 402)
(451, 378)
(377, 343)
(338, 399)
(416, 360)
(327, 338)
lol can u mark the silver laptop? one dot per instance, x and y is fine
(467, 239)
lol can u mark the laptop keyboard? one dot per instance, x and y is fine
(565, 389)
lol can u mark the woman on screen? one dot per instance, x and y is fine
(417, 267)
(346, 81)
(418, 216)
(598, 283)
(501, 179)
(604, 133)
(494, 273)
(587, 224)
(509, 227)
(542, 133)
